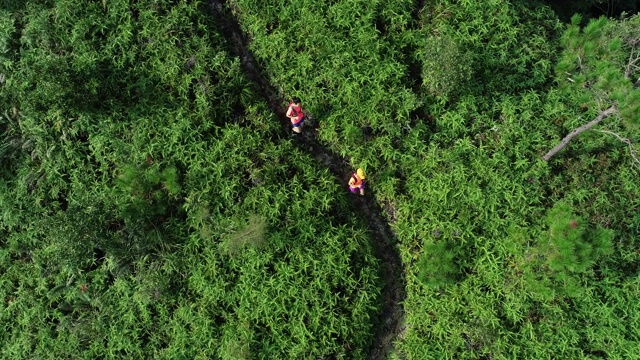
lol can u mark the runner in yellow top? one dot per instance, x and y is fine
(356, 182)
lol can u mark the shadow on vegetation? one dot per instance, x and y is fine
(592, 9)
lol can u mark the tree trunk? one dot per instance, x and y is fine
(604, 114)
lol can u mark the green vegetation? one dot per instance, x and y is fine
(152, 206)
(146, 213)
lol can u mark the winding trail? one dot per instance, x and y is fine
(390, 322)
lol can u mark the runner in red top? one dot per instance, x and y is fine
(296, 115)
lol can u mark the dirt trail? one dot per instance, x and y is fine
(390, 321)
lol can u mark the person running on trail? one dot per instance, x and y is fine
(296, 115)
(356, 182)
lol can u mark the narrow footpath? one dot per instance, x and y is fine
(389, 324)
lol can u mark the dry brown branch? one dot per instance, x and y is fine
(631, 64)
(565, 141)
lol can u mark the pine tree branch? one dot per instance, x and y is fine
(633, 152)
(577, 131)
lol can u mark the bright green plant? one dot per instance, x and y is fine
(572, 246)
(446, 67)
(438, 265)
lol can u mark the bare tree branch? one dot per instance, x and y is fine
(633, 152)
(577, 131)
(631, 64)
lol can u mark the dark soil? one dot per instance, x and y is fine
(384, 243)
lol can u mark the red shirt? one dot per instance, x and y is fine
(296, 112)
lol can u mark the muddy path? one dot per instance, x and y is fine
(390, 322)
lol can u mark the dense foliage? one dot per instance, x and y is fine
(454, 157)
(152, 206)
(149, 207)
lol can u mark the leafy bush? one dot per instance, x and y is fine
(571, 246)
